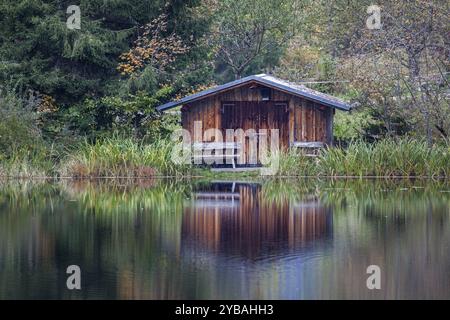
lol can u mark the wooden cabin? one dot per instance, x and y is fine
(304, 117)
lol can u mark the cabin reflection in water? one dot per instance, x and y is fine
(237, 219)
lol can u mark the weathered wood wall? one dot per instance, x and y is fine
(307, 121)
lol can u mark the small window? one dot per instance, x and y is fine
(265, 94)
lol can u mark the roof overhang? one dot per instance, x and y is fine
(269, 81)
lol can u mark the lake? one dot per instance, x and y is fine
(192, 239)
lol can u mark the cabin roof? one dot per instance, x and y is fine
(270, 81)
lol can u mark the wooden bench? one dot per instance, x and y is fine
(309, 146)
(228, 150)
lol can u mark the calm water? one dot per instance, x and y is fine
(285, 239)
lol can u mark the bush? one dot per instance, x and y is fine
(350, 126)
(23, 151)
(133, 115)
(18, 128)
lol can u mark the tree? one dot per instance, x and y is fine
(65, 68)
(39, 52)
(247, 30)
(171, 48)
(414, 39)
(153, 47)
(401, 71)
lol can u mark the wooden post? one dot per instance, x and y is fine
(330, 116)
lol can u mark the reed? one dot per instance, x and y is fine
(121, 157)
(28, 164)
(403, 157)
(127, 157)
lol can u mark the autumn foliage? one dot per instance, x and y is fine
(155, 46)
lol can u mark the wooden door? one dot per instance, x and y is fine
(256, 118)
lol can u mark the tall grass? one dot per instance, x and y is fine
(22, 166)
(388, 158)
(121, 157)
(37, 160)
(127, 157)
(23, 151)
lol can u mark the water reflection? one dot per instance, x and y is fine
(199, 240)
(235, 219)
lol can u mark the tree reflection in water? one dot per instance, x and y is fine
(281, 239)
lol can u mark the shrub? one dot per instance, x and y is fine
(23, 151)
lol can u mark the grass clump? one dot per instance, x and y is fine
(121, 157)
(31, 165)
(403, 157)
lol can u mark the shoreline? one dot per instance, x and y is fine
(228, 175)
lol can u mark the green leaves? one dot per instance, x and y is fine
(67, 64)
(133, 115)
(354, 125)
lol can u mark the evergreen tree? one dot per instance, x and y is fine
(39, 52)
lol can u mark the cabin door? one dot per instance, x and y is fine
(258, 120)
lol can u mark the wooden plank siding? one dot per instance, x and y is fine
(304, 121)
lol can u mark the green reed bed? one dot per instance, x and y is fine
(121, 157)
(127, 157)
(386, 158)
